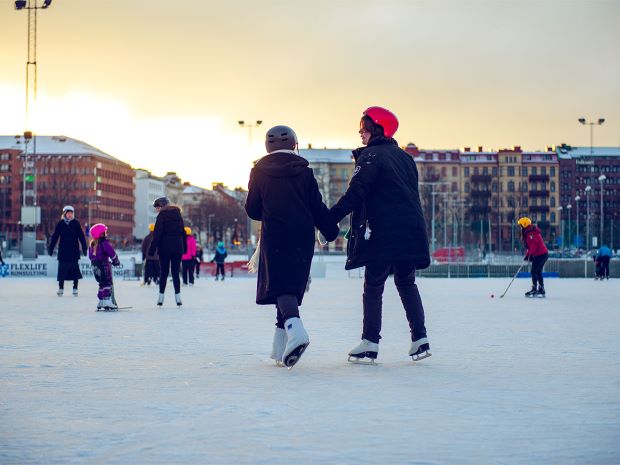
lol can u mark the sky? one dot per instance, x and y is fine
(162, 84)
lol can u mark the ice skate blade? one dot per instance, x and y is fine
(422, 356)
(361, 360)
(280, 364)
(292, 358)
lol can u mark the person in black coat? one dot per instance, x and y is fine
(170, 242)
(71, 236)
(388, 231)
(283, 194)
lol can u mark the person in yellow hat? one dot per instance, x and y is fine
(189, 258)
(150, 263)
(535, 252)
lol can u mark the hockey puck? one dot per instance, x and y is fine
(492, 296)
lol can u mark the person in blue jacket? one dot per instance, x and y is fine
(603, 256)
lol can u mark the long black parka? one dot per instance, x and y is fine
(283, 194)
(387, 222)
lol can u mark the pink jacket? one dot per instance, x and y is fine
(191, 249)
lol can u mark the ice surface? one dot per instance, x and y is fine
(511, 381)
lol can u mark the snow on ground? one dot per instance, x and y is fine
(511, 381)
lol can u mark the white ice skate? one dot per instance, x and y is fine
(160, 300)
(59, 293)
(100, 305)
(419, 349)
(108, 305)
(365, 353)
(75, 292)
(297, 342)
(279, 344)
(177, 298)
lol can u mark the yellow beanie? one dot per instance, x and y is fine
(152, 227)
(188, 230)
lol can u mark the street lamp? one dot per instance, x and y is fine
(211, 215)
(243, 124)
(601, 179)
(559, 209)
(570, 237)
(577, 199)
(591, 124)
(587, 190)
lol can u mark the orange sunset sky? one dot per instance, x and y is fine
(161, 84)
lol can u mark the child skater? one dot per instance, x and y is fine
(285, 197)
(220, 258)
(101, 253)
(536, 252)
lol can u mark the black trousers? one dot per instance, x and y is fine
(220, 270)
(605, 266)
(170, 265)
(374, 282)
(61, 284)
(188, 271)
(538, 264)
(286, 308)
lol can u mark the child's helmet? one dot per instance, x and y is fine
(188, 230)
(220, 244)
(68, 208)
(152, 227)
(161, 202)
(384, 118)
(524, 222)
(98, 230)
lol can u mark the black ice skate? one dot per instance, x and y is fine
(160, 300)
(532, 292)
(419, 349)
(365, 353)
(177, 298)
(540, 292)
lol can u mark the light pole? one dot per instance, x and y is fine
(91, 202)
(243, 124)
(30, 212)
(587, 190)
(601, 179)
(559, 209)
(577, 199)
(570, 234)
(211, 215)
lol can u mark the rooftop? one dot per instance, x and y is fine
(54, 145)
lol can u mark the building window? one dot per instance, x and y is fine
(511, 186)
(466, 171)
(444, 171)
(494, 171)
(454, 187)
(552, 171)
(534, 172)
(511, 171)
(466, 187)
(552, 186)
(552, 201)
(524, 171)
(552, 216)
(476, 171)
(485, 171)
(454, 171)
(543, 170)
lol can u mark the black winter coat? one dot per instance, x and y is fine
(387, 223)
(71, 237)
(146, 245)
(169, 237)
(284, 195)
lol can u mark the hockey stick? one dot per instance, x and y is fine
(513, 278)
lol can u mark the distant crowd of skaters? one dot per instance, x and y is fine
(387, 237)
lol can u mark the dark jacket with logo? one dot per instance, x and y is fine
(169, 237)
(71, 237)
(387, 223)
(284, 195)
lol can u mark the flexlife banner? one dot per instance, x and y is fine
(47, 267)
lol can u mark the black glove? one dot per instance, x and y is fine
(116, 262)
(51, 252)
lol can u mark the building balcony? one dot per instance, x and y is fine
(477, 193)
(432, 177)
(539, 208)
(481, 178)
(538, 193)
(539, 177)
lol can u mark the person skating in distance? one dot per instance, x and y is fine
(283, 194)
(388, 232)
(169, 240)
(535, 252)
(69, 231)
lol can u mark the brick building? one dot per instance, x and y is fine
(581, 167)
(68, 171)
(478, 194)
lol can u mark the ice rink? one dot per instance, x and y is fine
(511, 381)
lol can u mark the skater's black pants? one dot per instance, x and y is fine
(151, 271)
(219, 270)
(198, 268)
(188, 271)
(286, 308)
(61, 284)
(605, 266)
(169, 264)
(374, 283)
(538, 264)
